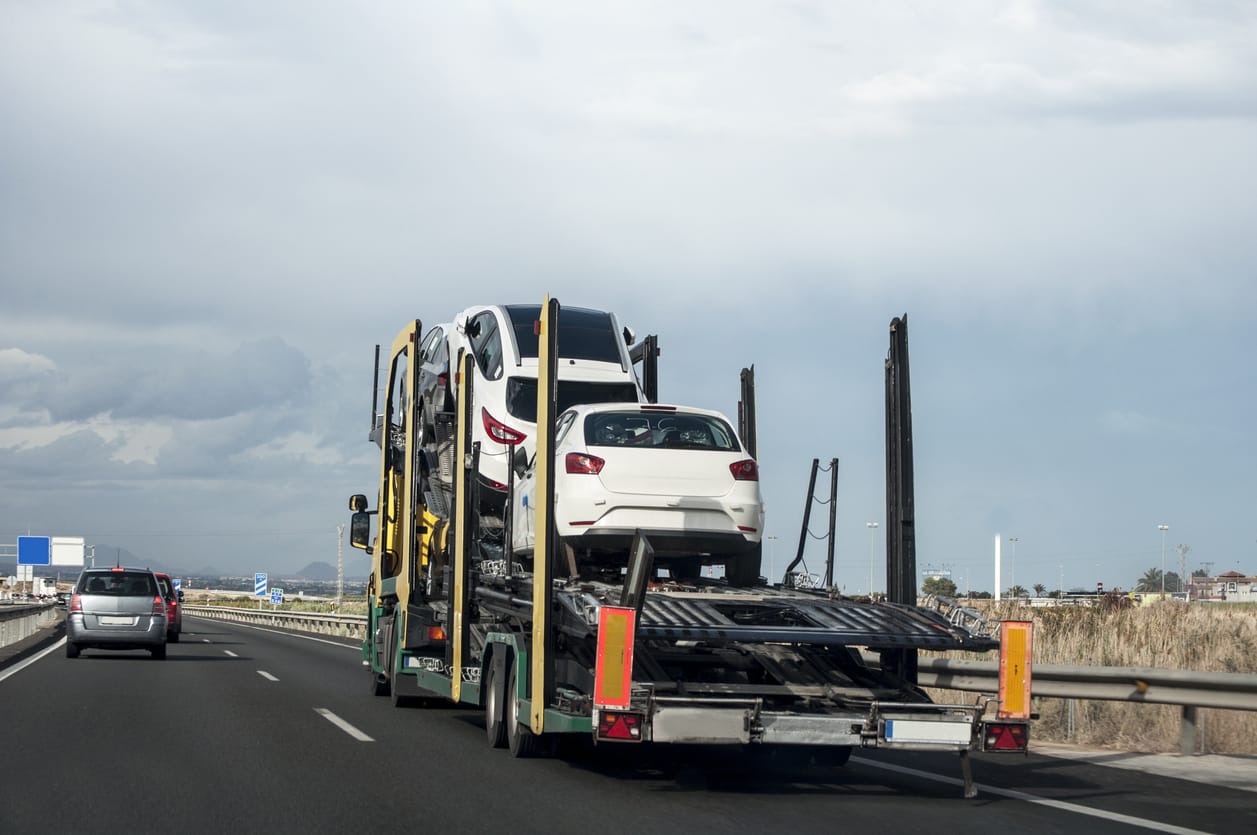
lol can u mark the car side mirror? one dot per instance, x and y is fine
(180, 595)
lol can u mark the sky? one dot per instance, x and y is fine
(210, 214)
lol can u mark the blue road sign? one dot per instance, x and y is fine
(259, 585)
(34, 550)
(277, 597)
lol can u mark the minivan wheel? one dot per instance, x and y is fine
(159, 652)
(172, 637)
(72, 649)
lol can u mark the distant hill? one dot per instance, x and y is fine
(316, 571)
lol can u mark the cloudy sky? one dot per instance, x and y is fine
(211, 213)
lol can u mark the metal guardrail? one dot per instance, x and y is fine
(344, 626)
(1190, 690)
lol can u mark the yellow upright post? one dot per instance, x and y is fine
(543, 542)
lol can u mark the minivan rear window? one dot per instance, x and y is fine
(583, 334)
(521, 395)
(119, 584)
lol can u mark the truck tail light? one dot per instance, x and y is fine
(499, 431)
(746, 470)
(620, 726)
(580, 463)
(1005, 736)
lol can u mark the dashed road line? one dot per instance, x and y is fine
(343, 725)
(264, 674)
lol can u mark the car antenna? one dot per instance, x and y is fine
(118, 557)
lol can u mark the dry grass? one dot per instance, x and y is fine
(1169, 636)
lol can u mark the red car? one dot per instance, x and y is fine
(174, 612)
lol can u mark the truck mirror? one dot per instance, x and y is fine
(357, 502)
(360, 529)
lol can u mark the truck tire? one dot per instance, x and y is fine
(743, 569)
(398, 699)
(495, 702)
(520, 739)
(72, 649)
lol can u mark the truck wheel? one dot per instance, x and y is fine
(519, 737)
(494, 705)
(743, 569)
(72, 649)
(398, 699)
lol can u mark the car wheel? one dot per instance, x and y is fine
(743, 569)
(494, 707)
(72, 649)
(159, 652)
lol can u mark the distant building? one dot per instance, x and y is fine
(1231, 587)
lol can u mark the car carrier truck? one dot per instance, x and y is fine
(549, 647)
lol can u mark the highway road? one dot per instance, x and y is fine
(248, 727)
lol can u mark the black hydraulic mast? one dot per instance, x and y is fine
(901, 553)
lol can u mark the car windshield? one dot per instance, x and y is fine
(120, 584)
(583, 334)
(521, 395)
(659, 430)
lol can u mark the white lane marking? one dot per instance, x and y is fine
(22, 665)
(205, 640)
(264, 674)
(343, 725)
(232, 654)
(1042, 801)
(355, 647)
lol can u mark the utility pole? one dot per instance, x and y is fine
(340, 564)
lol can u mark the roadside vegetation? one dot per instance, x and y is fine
(1219, 638)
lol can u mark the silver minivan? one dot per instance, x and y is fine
(116, 608)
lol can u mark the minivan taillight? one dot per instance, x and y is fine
(499, 431)
(746, 470)
(159, 605)
(76, 603)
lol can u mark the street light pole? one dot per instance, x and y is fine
(872, 526)
(772, 558)
(1163, 529)
(1013, 571)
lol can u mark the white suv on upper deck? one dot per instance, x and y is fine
(594, 367)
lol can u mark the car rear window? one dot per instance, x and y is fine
(119, 584)
(659, 430)
(521, 395)
(583, 334)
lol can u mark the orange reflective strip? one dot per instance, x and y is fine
(1015, 645)
(613, 673)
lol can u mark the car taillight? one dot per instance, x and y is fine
(746, 470)
(581, 464)
(76, 603)
(159, 605)
(499, 431)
